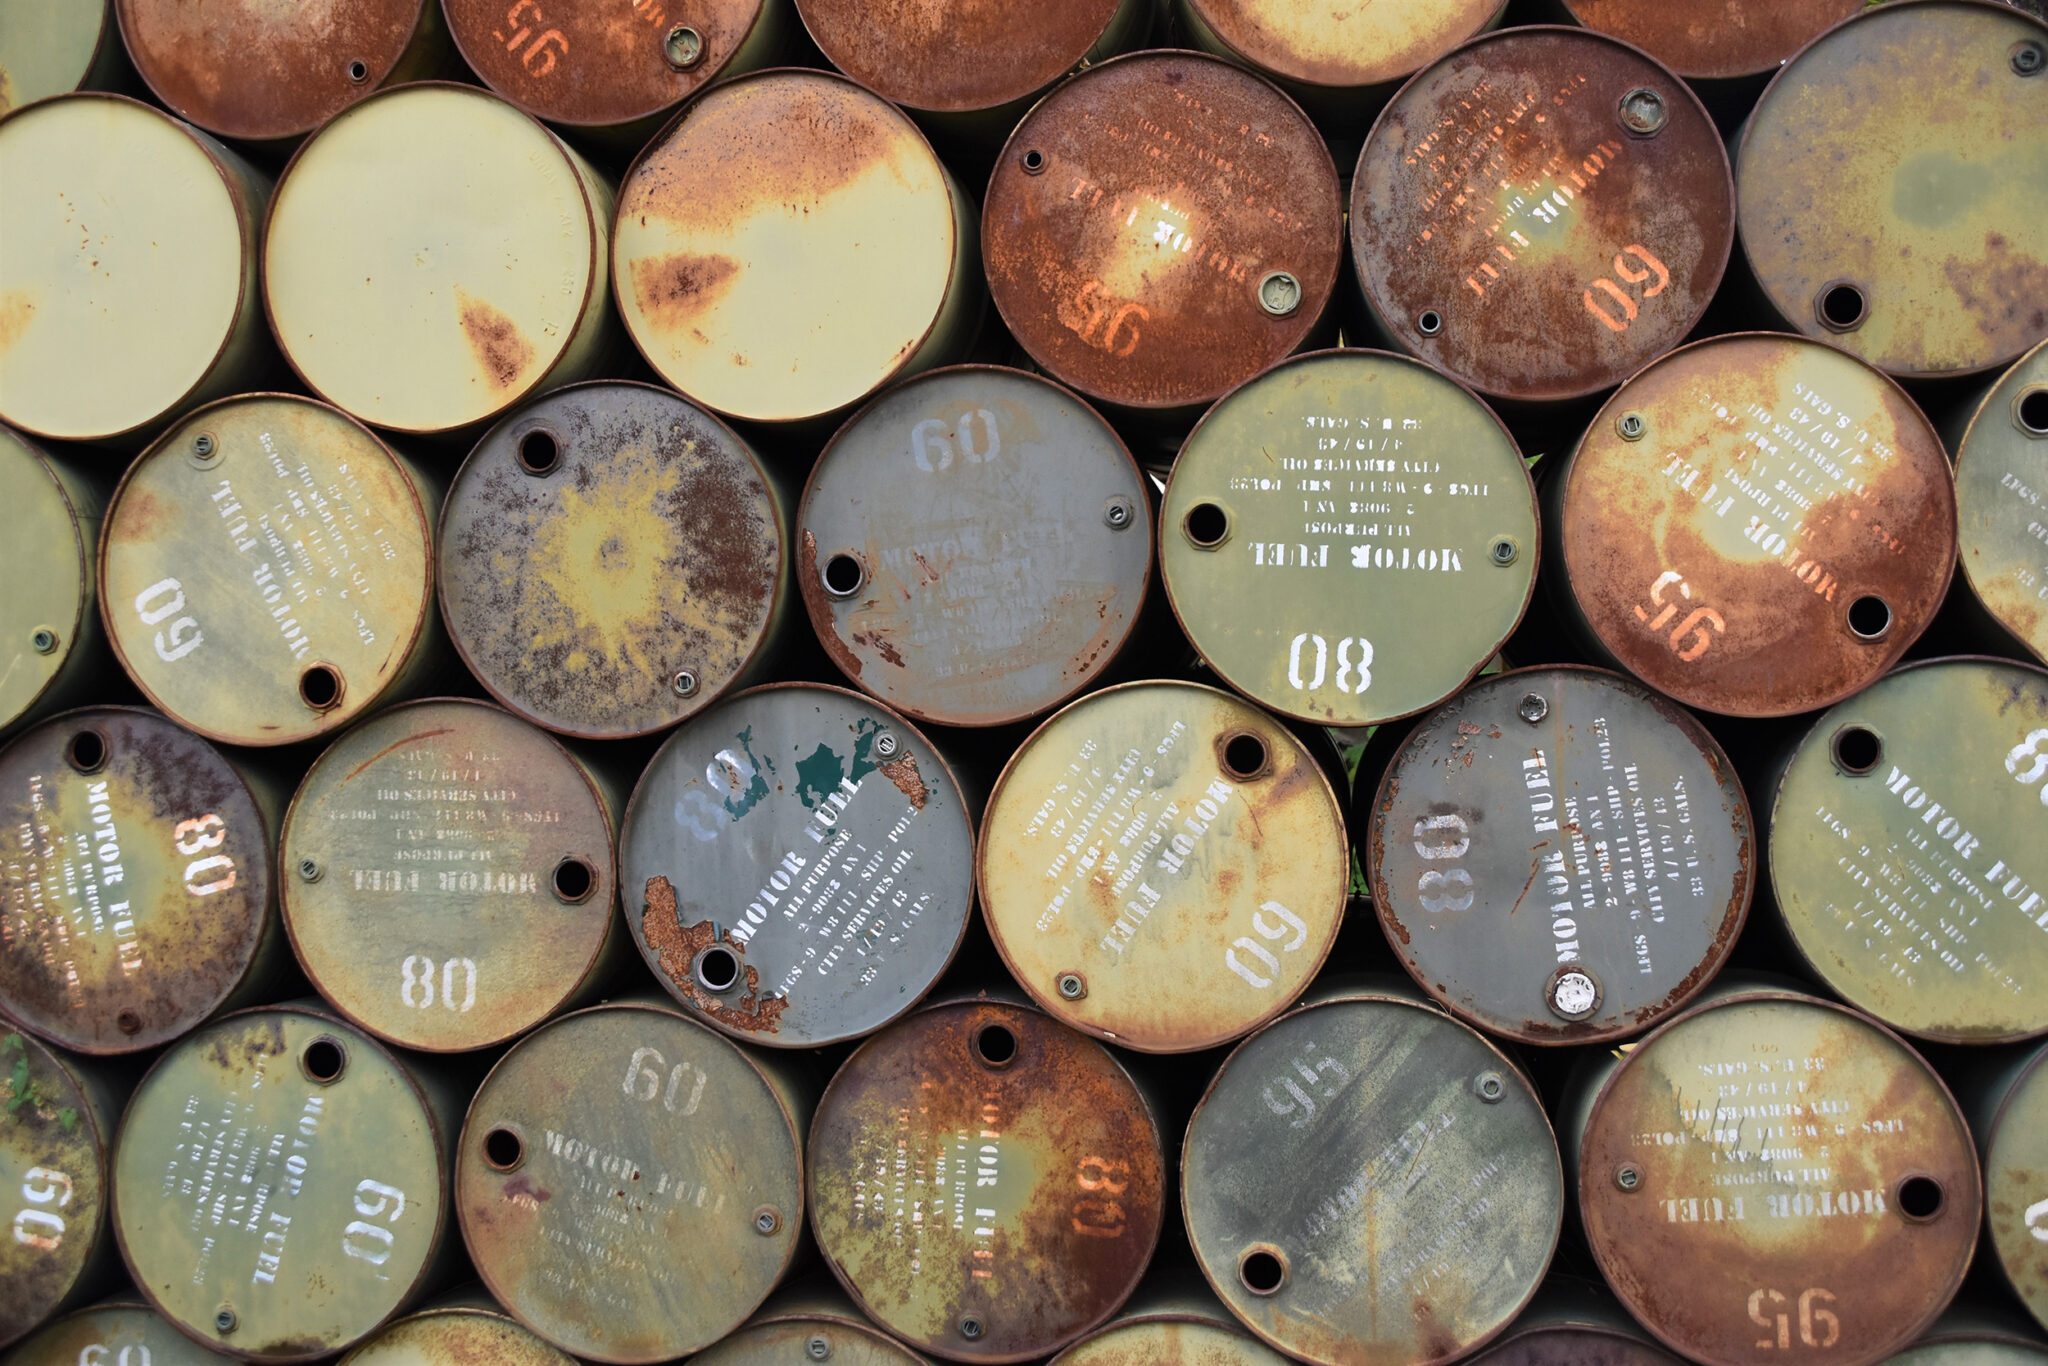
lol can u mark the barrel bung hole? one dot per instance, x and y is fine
(539, 452)
(87, 751)
(718, 968)
(995, 1045)
(504, 1149)
(573, 879)
(1842, 306)
(1870, 616)
(1262, 1270)
(2032, 410)
(1244, 755)
(1206, 525)
(1920, 1198)
(320, 687)
(1857, 749)
(843, 575)
(324, 1060)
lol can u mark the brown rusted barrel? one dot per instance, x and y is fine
(613, 560)
(2005, 1096)
(1884, 205)
(1022, 573)
(2002, 501)
(266, 571)
(1366, 1179)
(809, 1322)
(1574, 1323)
(631, 1185)
(52, 47)
(1756, 525)
(117, 1332)
(987, 1183)
(1541, 212)
(1173, 1320)
(797, 865)
(470, 1330)
(52, 650)
(139, 894)
(1735, 38)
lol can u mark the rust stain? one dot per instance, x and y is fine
(501, 348)
(903, 773)
(678, 947)
(675, 288)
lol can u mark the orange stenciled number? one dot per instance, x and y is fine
(1099, 1214)
(1597, 304)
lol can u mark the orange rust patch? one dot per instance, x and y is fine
(673, 289)
(678, 948)
(501, 348)
(903, 773)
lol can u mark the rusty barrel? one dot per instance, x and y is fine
(2001, 464)
(2008, 1111)
(1338, 58)
(468, 1331)
(1559, 855)
(447, 876)
(809, 1322)
(117, 1332)
(797, 865)
(1731, 39)
(630, 1184)
(1367, 1179)
(987, 1183)
(131, 290)
(53, 47)
(613, 560)
(140, 892)
(51, 646)
(1349, 537)
(1891, 199)
(1021, 574)
(1173, 1320)
(1541, 212)
(1771, 1176)
(266, 571)
(1574, 1323)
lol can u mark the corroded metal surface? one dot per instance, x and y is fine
(1756, 525)
(1723, 38)
(790, 244)
(1772, 1177)
(2015, 1149)
(1163, 865)
(1906, 850)
(447, 875)
(1566, 870)
(2002, 502)
(115, 1334)
(1342, 44)
(1510, 226)
(958, 56)
(266, 570)
(138, 880)
(797, 865)
(1022, 573)
(53, 46)
(1349, 537)
(603, 541)
(1369, 1180)
(53, 1183)
(986, 1182)
(1904, 158)
(49, 522)
(456, 1337)
(630, 1184)
(280, 1185)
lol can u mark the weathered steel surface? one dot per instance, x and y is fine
(447, 875)
(1906, 850)
(986, 1182)
(1161, 228)
(116, 1334)
(630, 1184)
(266, 570)
(797, 865)
(1349, 537)
(963, 56)
(456, 1336)
(434, 256)
(790, 244)
(1022, 571)
(1168, 1329)
(50, 47)
(53, 1183)
(2014, 1145)
(49, 522)
(1164, 866)
(1340, 44)
(603, 542)
(1723, 38)
(2001, 484)
(1903, 159)
(813, 1322)
(1574, 1323)
(136, 880)
(280, 1185)
(1770, 1177)
(1369, 1180)
(1509, 225)
(1756, 525)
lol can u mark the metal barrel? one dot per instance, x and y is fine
(1574, 1323)
(140, 887)
(2001, 464)
(1738, 38)
(1173, 1320)
(988, 1184)
(1163, 866)
(1756, 525)
(975, 546)
(1883, 208)
(52, 650)
(53, 47)
(1559, 855)
(418, 298)
(1160, 229)
(2005, 1097)
(1367, 1179)
(472, 1332)
(797, 865)
(613, 560)
(1541, 212)
(807, 1322)
(112, 324)
(630, 1184)
(266, 571)
(789, 244)
(1349, 537)
(1772, 1175)
(117, 1332)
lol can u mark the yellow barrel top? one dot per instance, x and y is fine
(47, 47)
(455, 1337)
(116, 1334)
(2002, 502)
(1342, 43)
(53, 1170)
(51, 541)
(956, 56)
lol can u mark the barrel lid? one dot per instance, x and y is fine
(611, 559)
(448, 875)
(53, 1166)
(1891, 198)
(1067, 1172)
(115, 1334)
(456, 1337)
(786, 245)
(956, 56)
(129, 247)
(1509, 225)
(48, 545)
(278, 1185)
(1732, 38)
(789, 1341)
(478, 244)
(1771, 1172)
(1343, 43)
(1169, 1342)
(797, 865)
(976, 546)
(1161, 228)
(2001, 485)
(630, 1184)
(1349, 538)
(50, 46)
(1313, 1212)
(2016, 1185)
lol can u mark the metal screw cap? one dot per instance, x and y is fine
(1279, 294)
(1643, 112)
(1532, 708)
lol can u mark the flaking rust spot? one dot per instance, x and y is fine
(501, 349)
(675, 288)
(903, 772)
(678, 947)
